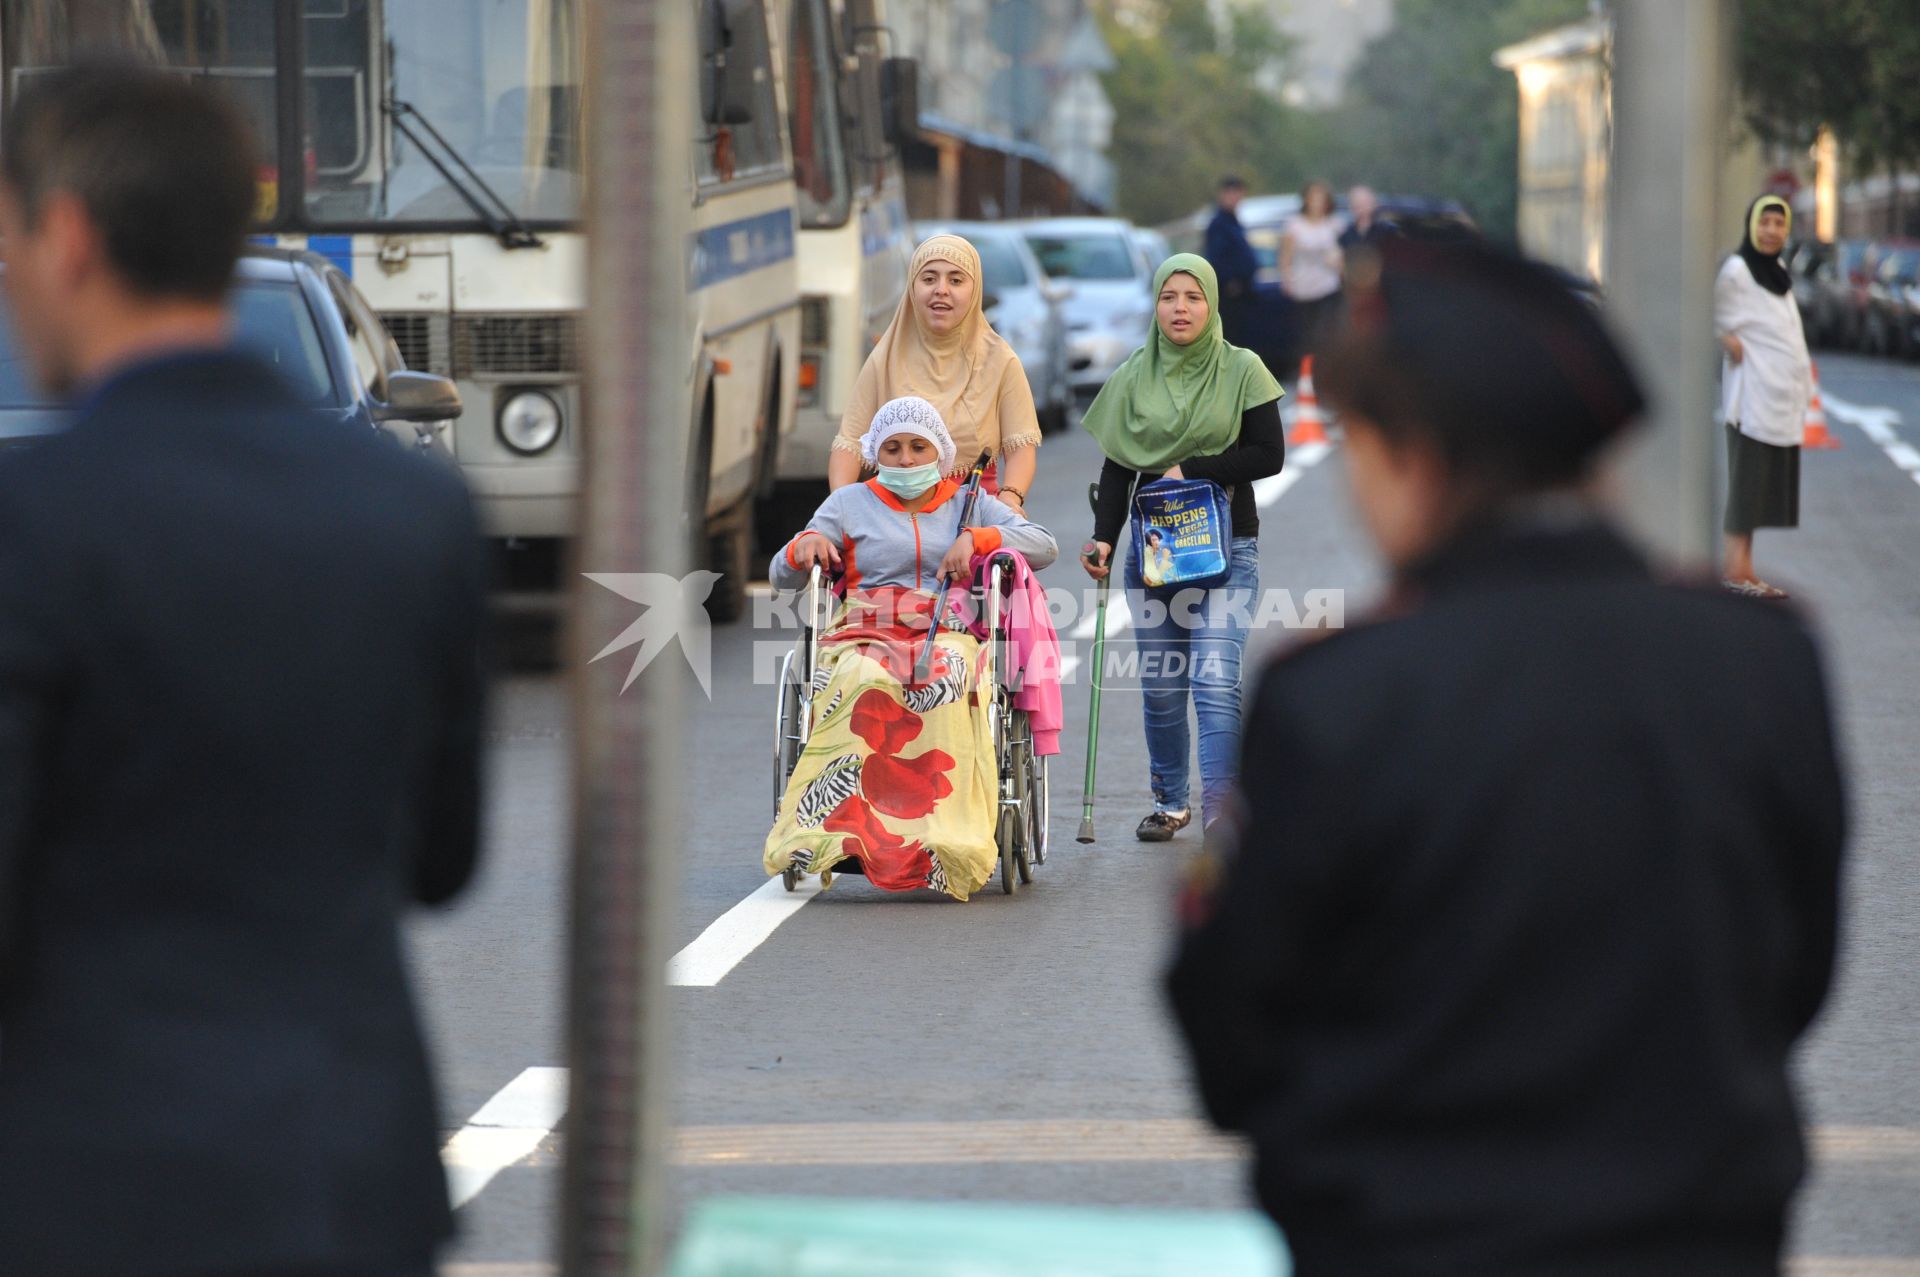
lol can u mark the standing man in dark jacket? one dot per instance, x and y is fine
(239, 730)
(1234, 264)
(1536, 876)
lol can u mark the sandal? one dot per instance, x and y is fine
(1755, 589)
(1161, 826)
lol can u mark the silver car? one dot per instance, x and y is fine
(1111, 309)
(1025, 308)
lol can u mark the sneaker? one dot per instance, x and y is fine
(1161, 826)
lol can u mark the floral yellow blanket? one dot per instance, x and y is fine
(900, 777)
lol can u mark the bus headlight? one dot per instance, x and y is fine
(529, 422)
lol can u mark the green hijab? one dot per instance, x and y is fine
(1171, 402)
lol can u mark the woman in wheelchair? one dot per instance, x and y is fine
(899, 778)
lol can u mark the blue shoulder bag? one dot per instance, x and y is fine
(1182, 534)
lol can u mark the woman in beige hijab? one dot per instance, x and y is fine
(941, 349)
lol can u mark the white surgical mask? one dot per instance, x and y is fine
(909, 481)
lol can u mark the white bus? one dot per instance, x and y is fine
(849, 108)
(433, 149)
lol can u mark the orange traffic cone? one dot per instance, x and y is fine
(1308, 425)
(1817, 435)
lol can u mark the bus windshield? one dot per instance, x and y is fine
(498, 79)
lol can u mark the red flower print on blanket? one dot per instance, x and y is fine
(906, 788)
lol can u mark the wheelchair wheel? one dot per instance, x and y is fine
(1019, 783)
(786, 732)
(1008, 836)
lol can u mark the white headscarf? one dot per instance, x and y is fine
(907, 415)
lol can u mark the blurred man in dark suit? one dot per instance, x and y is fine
(239, 729)
(1231, 255)
(1535, 882)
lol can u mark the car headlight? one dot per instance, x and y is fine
(1132, 317)
(529, 422)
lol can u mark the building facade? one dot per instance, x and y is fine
(1566, 143)
(1020, 74)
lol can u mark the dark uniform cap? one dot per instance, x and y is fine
(1489, 355)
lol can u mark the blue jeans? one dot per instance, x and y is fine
(1192, 646)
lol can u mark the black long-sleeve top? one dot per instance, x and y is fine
(1259, 450)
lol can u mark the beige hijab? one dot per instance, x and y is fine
(969, 374)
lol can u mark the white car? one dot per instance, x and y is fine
(1024, 307)
(1111, 309)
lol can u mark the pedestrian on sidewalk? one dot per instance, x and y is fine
(941, 348)
(239, 730)
(1187, 405)
(1532, 881)
(1766, 383)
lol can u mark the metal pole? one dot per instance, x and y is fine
(1672, 104)
(633, 490)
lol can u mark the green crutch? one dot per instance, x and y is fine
(1099, 669)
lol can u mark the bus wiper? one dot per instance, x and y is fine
(498, 218)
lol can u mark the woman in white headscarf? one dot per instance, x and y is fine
(940, 348)
(898, 780)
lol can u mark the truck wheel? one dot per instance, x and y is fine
(730, 553)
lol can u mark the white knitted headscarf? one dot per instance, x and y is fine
(908, 415)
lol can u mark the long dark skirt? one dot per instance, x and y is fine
(1763, 484)
(1316, 324)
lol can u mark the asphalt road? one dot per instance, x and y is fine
(1016, 1049)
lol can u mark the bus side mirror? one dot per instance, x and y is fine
(718, 48)
(900, 99)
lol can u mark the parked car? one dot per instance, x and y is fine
(1153, 246)
(303, 315)
(1804, 261)
(1888, 316)
(1025, 307)
(1838, 294)
(1111, 309)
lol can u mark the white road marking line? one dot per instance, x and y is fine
(1880, 425)
(737, 933)
(507, 1128)
(1302, 459)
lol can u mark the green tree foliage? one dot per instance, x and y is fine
(1845, 63)
(1194, 101)
(1428, 113)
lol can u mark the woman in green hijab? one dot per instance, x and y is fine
(1188, 405)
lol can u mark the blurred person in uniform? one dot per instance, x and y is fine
(1766, 383)
(1234, 263)
(1365, 227)
(1360, 242)
(1532, 880)
(240, 702)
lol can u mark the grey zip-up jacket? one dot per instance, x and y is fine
(882, 545)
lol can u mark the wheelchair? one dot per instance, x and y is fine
(1020, 831)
